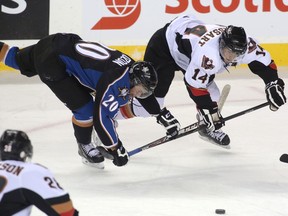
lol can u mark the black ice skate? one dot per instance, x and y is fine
(217, 137)
(91, 155)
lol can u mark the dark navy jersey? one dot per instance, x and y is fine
(103, 70)
(89, 61)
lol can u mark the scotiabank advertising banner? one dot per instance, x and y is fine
(134, 21)
(24, 19)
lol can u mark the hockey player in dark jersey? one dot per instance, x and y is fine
(24, 184)
(73, 69)
(201, 51)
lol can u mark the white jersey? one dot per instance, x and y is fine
(194, 46)
(25, 184)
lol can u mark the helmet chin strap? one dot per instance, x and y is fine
(224, 63)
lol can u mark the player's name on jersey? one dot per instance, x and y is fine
(211, 34)
(11, 168)
(122, 60)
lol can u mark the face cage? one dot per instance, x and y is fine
(145, 93)
(238, 55)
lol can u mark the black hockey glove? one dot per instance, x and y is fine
(275, 94)
(119, 155)
(212, 118)
(170, 123)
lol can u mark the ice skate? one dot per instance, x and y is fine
(91, 155)
(217, 137)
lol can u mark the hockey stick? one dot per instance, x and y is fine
(224, 94)
(192, 129)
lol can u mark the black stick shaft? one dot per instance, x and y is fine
(246, 111)
(192, 129)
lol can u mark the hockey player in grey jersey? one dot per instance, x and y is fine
(201, 51)
(24, 184)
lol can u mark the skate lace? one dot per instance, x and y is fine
(217, 134)
(90, 150)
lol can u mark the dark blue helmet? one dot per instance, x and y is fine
(15, 145)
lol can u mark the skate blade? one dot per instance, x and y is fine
(95, 165)
(212, 142)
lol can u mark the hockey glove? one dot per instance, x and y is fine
(118, 154)
(171, 124)
(211, 118)
(275, 94)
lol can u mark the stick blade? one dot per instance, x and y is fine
(284, 158)
(224, 94)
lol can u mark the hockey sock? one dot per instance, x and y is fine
(82, 131)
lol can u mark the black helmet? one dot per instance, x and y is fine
(234, 38)
(15, 145)
(143, 72)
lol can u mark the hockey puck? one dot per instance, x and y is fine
(284, 158)
(220, 211)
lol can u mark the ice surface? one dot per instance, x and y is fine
(187, 176)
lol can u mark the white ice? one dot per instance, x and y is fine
(187, 176)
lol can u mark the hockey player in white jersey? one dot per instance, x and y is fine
(201, 51)
(24, 184)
